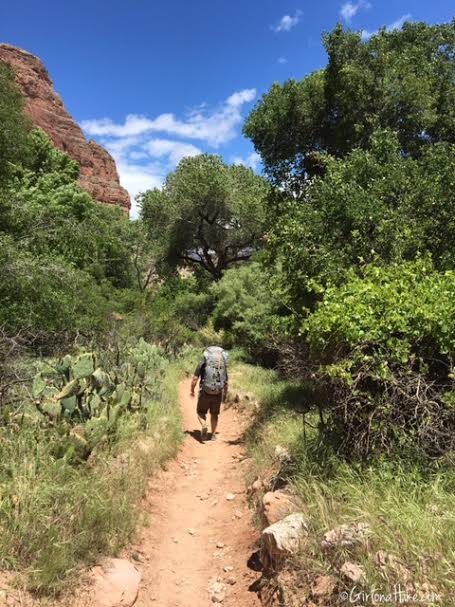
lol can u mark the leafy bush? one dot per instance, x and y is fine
(246, 308)
(373, 204)
(385, 341)
(177, 310)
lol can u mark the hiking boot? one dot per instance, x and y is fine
(204, 433)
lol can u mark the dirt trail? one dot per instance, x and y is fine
(195, 532)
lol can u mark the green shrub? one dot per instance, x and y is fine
(246, 309)
(385, 342)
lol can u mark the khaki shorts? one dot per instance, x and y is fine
(208, 402)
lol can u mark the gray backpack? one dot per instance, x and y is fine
(215, 377)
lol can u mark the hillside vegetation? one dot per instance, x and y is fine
(334, 274)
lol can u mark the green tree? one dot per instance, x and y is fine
(402, 80)
(208, 214)
(375, 205)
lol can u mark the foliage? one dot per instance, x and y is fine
(375, 204)
(386, 342)
(62, 256)
(407, 505)
(59, 509)
(402, 80)
(177, 309)
(246, 308)
(208, 214)
(46, 295)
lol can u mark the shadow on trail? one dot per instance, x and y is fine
(196, 434)
(236, 441)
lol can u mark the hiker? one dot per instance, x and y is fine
(213, 385)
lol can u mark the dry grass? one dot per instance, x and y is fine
(410, 506)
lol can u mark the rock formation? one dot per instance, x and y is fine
(98, 174)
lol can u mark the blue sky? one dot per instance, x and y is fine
(154, 81)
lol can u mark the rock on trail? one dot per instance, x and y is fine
(115, 584)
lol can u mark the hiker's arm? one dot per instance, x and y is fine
(194, 381)
(196, 377)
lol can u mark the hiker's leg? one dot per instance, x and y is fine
(215, 406)
(201, 410)
(213, 422)
(202, 417)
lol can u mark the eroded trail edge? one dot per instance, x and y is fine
(196, 549)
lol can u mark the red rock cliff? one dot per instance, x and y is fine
(98, 171)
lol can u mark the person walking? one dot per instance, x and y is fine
(212, 375)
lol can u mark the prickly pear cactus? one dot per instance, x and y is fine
(79, 392)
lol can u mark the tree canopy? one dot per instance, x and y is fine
(209, 215)
(401, 80)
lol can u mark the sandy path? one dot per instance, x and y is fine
(195, 532)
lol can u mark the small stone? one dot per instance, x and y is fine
(238, 514)
(191, 531)
(217, 592)
(230, 497)
(275, 506)
(353, 572)
(115, 582)
(220, 545)
(215, 502)
(175, 540)
(323, 586)
(228, 568)
(258, 485)
(231, 580)
(345, 536)
(137, 556)
(282, 539)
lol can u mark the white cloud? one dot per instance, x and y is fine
(282, 60)
(287, 22)
(174, 150)
(252, 161)
(239, 98)
(366, 34)
(350, 9)
(138, 178)
(214, 126)
(143, 159)
(396, 25)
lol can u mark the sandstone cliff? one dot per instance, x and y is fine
(98, 171)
